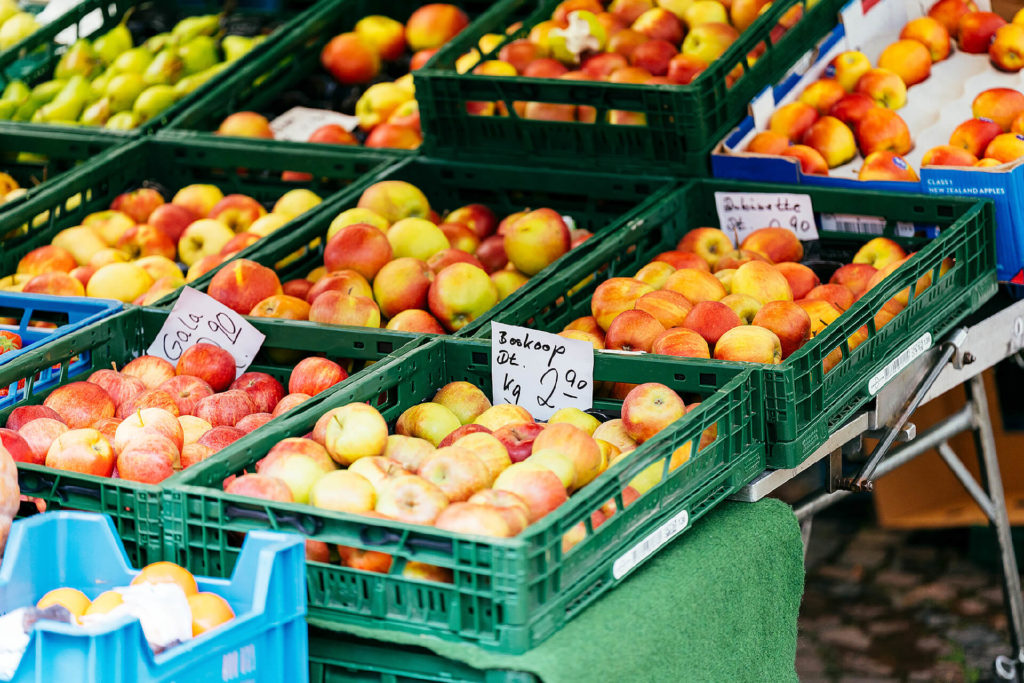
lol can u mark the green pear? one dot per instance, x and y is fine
(199, 54)
(69, 102)
(8, 8)
(135, 60)
(159, 42)
(16, 29)
(122, 120)
(152, 101)
(165, 69)
(27, 110)
(97, 113)
(16, 91)
(191, 27)
(46, 91)
(235, 46)
(7, 109)
(191, 83)
(113, 43)
(123, 90)
(100, 83)
(80, 59)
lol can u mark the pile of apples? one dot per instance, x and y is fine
(460, 464)
(153, 418)
(387, 111)
(393, 258)
(668, 42)
(853, 106)
(706, 299)
(131, 251)
(114, 83)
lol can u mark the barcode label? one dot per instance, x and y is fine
(636, 555)
(862, 225)
(908, 356)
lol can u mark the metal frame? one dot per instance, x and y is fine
(960, 359)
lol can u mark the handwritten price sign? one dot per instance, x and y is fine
(197, 318)
(741, 213)
(298, 123)
(539, 371)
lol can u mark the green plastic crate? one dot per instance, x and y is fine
(237, 166)
(34, 158)
(600, 202)
(136, 507)
(508, 594)
(280, 78)
(33, 59)
(683, 122)
(802, 404)
(337, 657)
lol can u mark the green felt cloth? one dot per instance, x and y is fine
(718, 604)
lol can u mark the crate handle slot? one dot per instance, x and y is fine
(301, 523)
(379, 537)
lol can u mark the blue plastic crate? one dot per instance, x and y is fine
(78, 313)
(266, 641)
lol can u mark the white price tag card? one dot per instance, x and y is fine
(298, 123)
(198, 318)
(741, 213)
(762, 107)
(540, 371)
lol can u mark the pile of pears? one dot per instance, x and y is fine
(111, 82)
(15, 25)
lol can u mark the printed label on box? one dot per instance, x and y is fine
(298, 123)
(540, 371)
(741, 213)
(636, 555)
(862, 225)
(199, 318)
(909, 355)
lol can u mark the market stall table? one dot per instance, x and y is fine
(720, 603)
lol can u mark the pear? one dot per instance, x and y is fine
(46, 91)
(7, 109)
(80, 59)
(100, 83)
(16, 91)
(122, 120)
(165, 69)
(69, 102)
(199, 54)
(191, 27)
(152, 101)
(123, 90)
(113, 43)
(8, 8)
(97, 113)
(159, 42)
(191, 83)
(27, 110)
(235, 46)
(135, 60)
(16, 29)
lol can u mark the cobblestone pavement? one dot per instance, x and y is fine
(882, 605)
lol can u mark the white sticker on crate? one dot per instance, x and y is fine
(636, 555)
(862, 225)
(741, 213)
(197, 317)
(298, 123)
(540, 371)
(897, 364)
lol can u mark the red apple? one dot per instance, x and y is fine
(152, 370)
(80, 404)
(518, 438)
(226, 408)
(210, 363)
(81, 450)
(22, 415)
(186, 391)
(264, 390)
(220, 436)
(313, 375)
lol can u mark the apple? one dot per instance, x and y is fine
(198, 198)
(656, 273)
(614, 432)
(709, 41)
(885, 165)
(775, 244)
(298, 288)
(822, 313)
(345, 281)
(909, 59)
(459, 294)
(149, 459)
(629, 10)
(22, 415)
(152, 370)
(149, 421)
(187, 390)
(204, 237)
(536, 240)
(465, 400)
(289, 401)
(976, 30)
(263, 226)
(512, 507)
(949, 12)
(259, 486)
(192, 428)
(456, 471)
(649, 408)
(120, 281)
(365, 560)
(301, 472)
(974, 135)
(254, 421)
(281, 306)
(54, 284)
(708, 243)
(19, 449)
(788, 321)
(695, 285)
(833, 139)
(121, 388)
(751, 343)
(518, 438)
(823, 94)
(761, 281)
(851, 108)
(264, 390)
(659, 24)
(655, 56)
(487, 447)
(80, 404)
(793, 120)
(1000, 105)
(81, 450)
(574, 443)
(839, 296)
(360, 247)
(931, 33)
(408, 451)
(446, 257)
(879, 253)
(39, 434)
(767, 142)
(855, 276)
(110, 225)
(477, 217)
(149, 398)
(338, 308)
(430, 421)
(81, 242)
(242, 284)
(394, 200)
(849, 67)
(239, 242)
(246, 124)
(1006, 50)
(172, 220)
(203, 266)
(883, 86)
(811, 161)
(219, 437)
(633, 330)
(355, 431)
(433, 25)
(667, 307)
(948, 155)
(615, 295)
(377, 470)
(602, 65)
(208, 362)
(460, 237)
(343, 491)
(503, 414)
(1005, 147)
(411, 499)
(681, 259)
(46, 259)
(414, 320)
(226, 408)
(475, 519)
(681, 341)
(883, 130)
(801, 279)
(540, 488)
(313, 375)
(711, 319)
